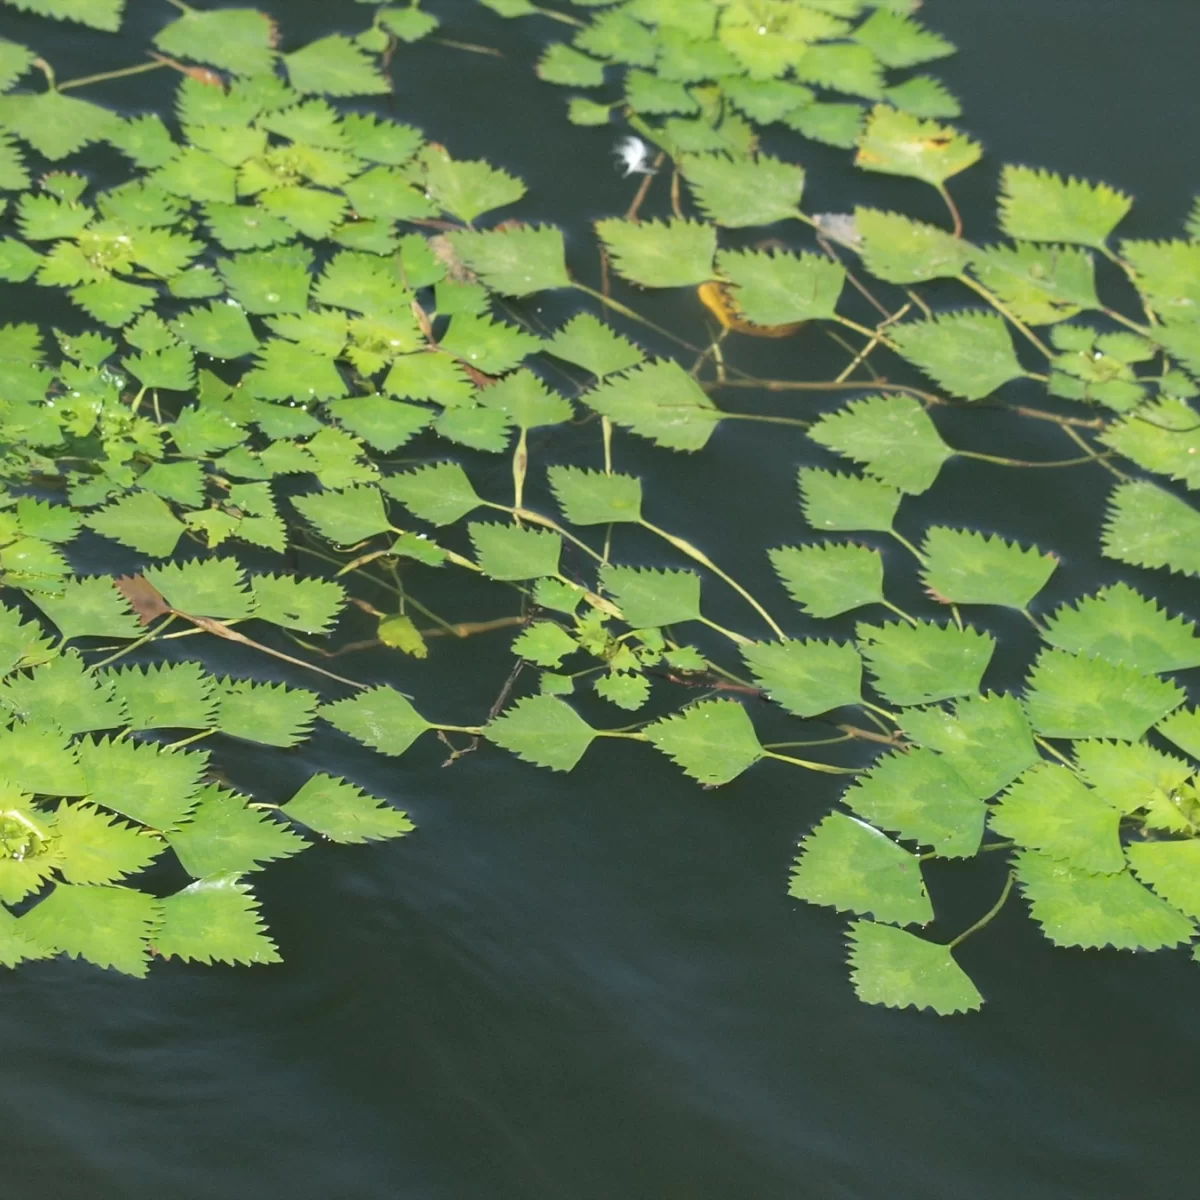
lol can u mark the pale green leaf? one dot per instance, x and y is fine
(660, 254)
(901, 250)
(1041, 207)
(806, 677)
(1163, 437)
(742, 192)
(215, 919)
(899, 41)
(334, 66)
(586, 341)
(61, 693)
(139, 520)
(924, 96)
(838, 125)
(382, 423)
(969, 353)
(341, 812)
(594, 498)
(966, 567)
(166, 695)
(926, 662)
(439, 493)
(832, 501)
(779, 288)
(345, 517)
(828, 578)
(466, 189)
(526, 401)
(220, 330)
(1183, 728)
(380, 718)
(508, 553)
(204, 587)
(515, 261)
(545, 643)
(97, 848)
(106, 926)
(87, 607)
(649, 598)
(492, 347)
(1038, 284)
(895, 968)
(269, 281)
(659, 401)
(897, 143)
(543, 730)
(270, 713)
(241, 40)
(1172, 869)
(1131, 775)
(713, 741)
(56, 124)
(1149, 527)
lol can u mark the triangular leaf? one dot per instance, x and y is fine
(806, 677)
(965, 567)
(712, 741)
(922, 663)
(543, 730)
(896, 968)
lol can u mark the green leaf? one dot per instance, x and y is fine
(659, 401)
(106, 926)
(1048, 809)
(713, 741)
(516, 261)
(88, 607)
(55, 124)
(467, 189)
(526, 401)
(1041, 207)
(594, 498)
(765, 100)
(240, 40)
(897, 143)
(647, 93)
(1123, 626)
(970, 353)
(1038, 284)
(582, 111)
(1162, 438)
(649, 598)
(924, 96)
(1131, 775)
(506, 552)
(112, 301)
(545, 643)
(269, 713)
(141, 521)
(166, 696)
(382, 423)
(408, 24)
(901, 250)
(896, 968)
(23, 643)
(220, 330)
(543, 730)
(475, 426)
(1172, 869)
(1071, 696)
(806, 677)
(842, 67)
(380, 718)
(561, 64)
(899, 41)
(624, 689)
(141, 780)
(1078, 908)
(214, 920)
(211, 587)
(439, 493)
(334, 66)
(966, 567)
(15, 947)
(345, 517)
(778, 288)
(921, 797)
(927, 662)
(286, 371)
(492, 347)
(838, 125)
(43, 218)
(660, 254)
(269, 281)
(853, 867)
(98, 14)
(1183, 728)
(95, 848)
(62, 693)
(832, 501)
(892, 436)
(344, 813)
(741, 192)
(17, 261)
(586, 341)
(379, 140)
(828, 578)
(13, 175)
(15, 60)
(987, 739)
(310, 211)
(1148, 527)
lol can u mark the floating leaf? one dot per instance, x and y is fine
(1183, 728)
(1041, 207)
(220, 330)
(896, 968)
(650, 598)
(545, 643)
(901, 250)
(270, 713)
(166, 696)
(146, 782)
(832, 501)
(345, 517)
(970, 354)
(853, 867)
(212, 587)
(741, 192)
(1149, 527)
(238, 39)
(806, 677)
(987, 739)
(922, 663)
(829, 578)
(507, 552)
(892, 436)
(334, 66)
(660, 254)
(1071, 696)
(61, 693)
(270, 281)
(838, 125)
(107, 926)
(899, 41)
(1172, 869)
(465, 189)
(778, 288)
(141, 521)
(515, 261)
(97, 848)
(1048, 809)
(1078, 908)
(55, 124)
(344, 813)
(594, 498)
(713, 741)
(1123, 626)
(543, 730)
(1038, 284)
(380, 718)
(526, 401)
(921, 797)
(1130, 775)
(966, 567)
(214, 920)
(383, 424)
(898, 143)
(439, 493)
(586, 341)
(660, 401)
(88, 607)
(1161, 438)
(490, 346)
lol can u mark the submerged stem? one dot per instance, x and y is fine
(988, 916)
(823, 768)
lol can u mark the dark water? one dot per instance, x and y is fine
(593, 987)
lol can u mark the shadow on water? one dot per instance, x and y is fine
(592, 987)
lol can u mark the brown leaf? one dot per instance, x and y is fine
(144, 598)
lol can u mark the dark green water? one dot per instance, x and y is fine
(593, 987)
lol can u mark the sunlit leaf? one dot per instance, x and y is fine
(62, 693)
(1041, 207)
(467, 189)
(141, 780)
(241, 40)
(526, 401)
(901, 250)
(1183, 728)
(1077, 908)
(345, 517)
(490, 346)
(544, 642)
(97, 848)
(970, 354)
(853, 867)
(543, 730)
(806, 677)
(1130, 775)
(588, 342)
(924, 96)
(1172, 869)
(741, 192)
(509, 553)
(270, 713)
(139, 520)
(672, 253)
(215, 919)
(594, 498)
(1148, 527)
(439, 493)
(896, 968)
(334, 66)
(55, 124)
(834, 124)
(1038, 284)
(107, 926)
(382, 423)
(899, 41)
(515, 261)
(898, 143)
(922, 663)
(338, 810)
(832, 501)
(1163, 438)
(660, 401)
(713, 741)
(166, 696)
(649, 598)
(966, 567)
(220, 330)
(88, 607)
(562, 64)
(828, 578)
(1071, 696)
(892, 436)
(269, 281)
